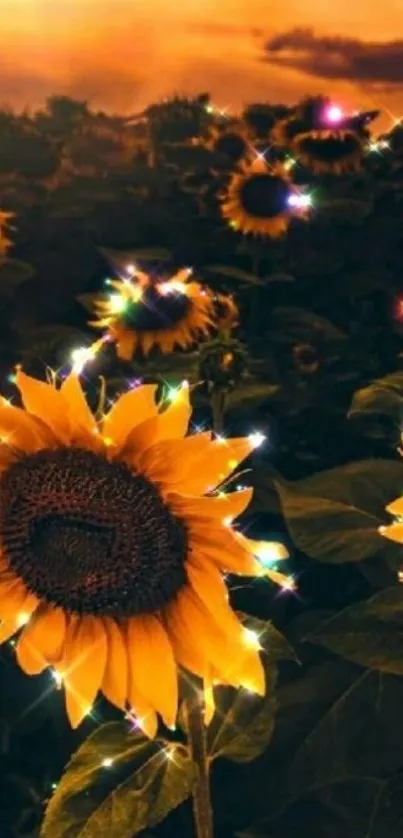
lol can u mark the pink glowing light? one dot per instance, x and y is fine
(333, 114)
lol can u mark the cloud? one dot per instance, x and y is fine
(337, 57)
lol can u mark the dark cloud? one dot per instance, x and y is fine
(337, 57)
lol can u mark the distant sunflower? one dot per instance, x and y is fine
(329, 152)
(5, 242)
(256, 199)
(113, 548)
(323, 148)
(144, 313)
(231, 142)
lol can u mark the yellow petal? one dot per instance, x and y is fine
(80, 415)
(394, 532)
(227, 556)
(128, 412)
(234, 661)
(152, 665)
(16, 611)
(215, 465)
(222, 507)
(166, 462)
(211, 589)
(125, 346)
(174, 420)
(13, 595)
(395, 508)
(45, 402)
(41, 642)
(115, 682)
(83, 665)
(146, 717)
(20, 430)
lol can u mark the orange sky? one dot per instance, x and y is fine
(123, 53)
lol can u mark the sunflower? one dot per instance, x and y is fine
(231, 142)
(257, 199)
(5, 242)
(334, 151)
(322, 138)
(113, 546)
(143, 313)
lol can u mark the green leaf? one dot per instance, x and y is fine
(243, 724)
(334, 516)
(291, 324)
(387, 815)
(368, 633)
(385, 395)
(136, 791)
(275, 646)
(12, 274)
(248, 395)
(235, 273)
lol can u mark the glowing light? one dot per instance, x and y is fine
(169, 753)
(269, 552)
(289, 584)
(251, 639)
(22, 619)
(289, 163)
(131, 269)
(299, 200)
(117, 303)
(333, 114)
(256, 439)
(81, 357)
(107, 762)
(172, 287)
(57, 677)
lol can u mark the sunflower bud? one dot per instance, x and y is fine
(223, 364)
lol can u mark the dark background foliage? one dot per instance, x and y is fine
(320, 339)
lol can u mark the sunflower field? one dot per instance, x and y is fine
(201, 473)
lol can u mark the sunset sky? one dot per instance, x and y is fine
(120, 54)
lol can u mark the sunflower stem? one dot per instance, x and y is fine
(218, 397)
(202, 808)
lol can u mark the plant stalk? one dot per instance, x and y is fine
(197, 731)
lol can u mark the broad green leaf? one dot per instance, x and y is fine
(243, 724)
(250, 395)
(235, 273)
(385, 395)
(136, 787)
(368, 633)
(290, 324)
(387, 815)
(334, 516)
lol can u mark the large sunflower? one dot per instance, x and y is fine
(143, 313)
(113, 546)
(257, 199)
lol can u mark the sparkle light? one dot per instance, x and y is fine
(299, 200)
(269, 552)
(107, 762)
(333, 114)
(80, 357)
(251, 639)
(117, 303)
(22, 619)
(172, 287)
(256, 439)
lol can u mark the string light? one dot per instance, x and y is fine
(256, 439)
(269, 552)
(333, 114)
(117, 303)
(251, 639)
(57, 677)
(299, 201)
(22, 619)
(107, 762)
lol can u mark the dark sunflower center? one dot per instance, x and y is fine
(330, 149)
(89, 535)
(264, 196)
(156, 311)
(232, 145)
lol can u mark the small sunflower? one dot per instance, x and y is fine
(144, 313)
(230, 142)
(5, 242)
(257, 199)
(322, 138)
(113, 546)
